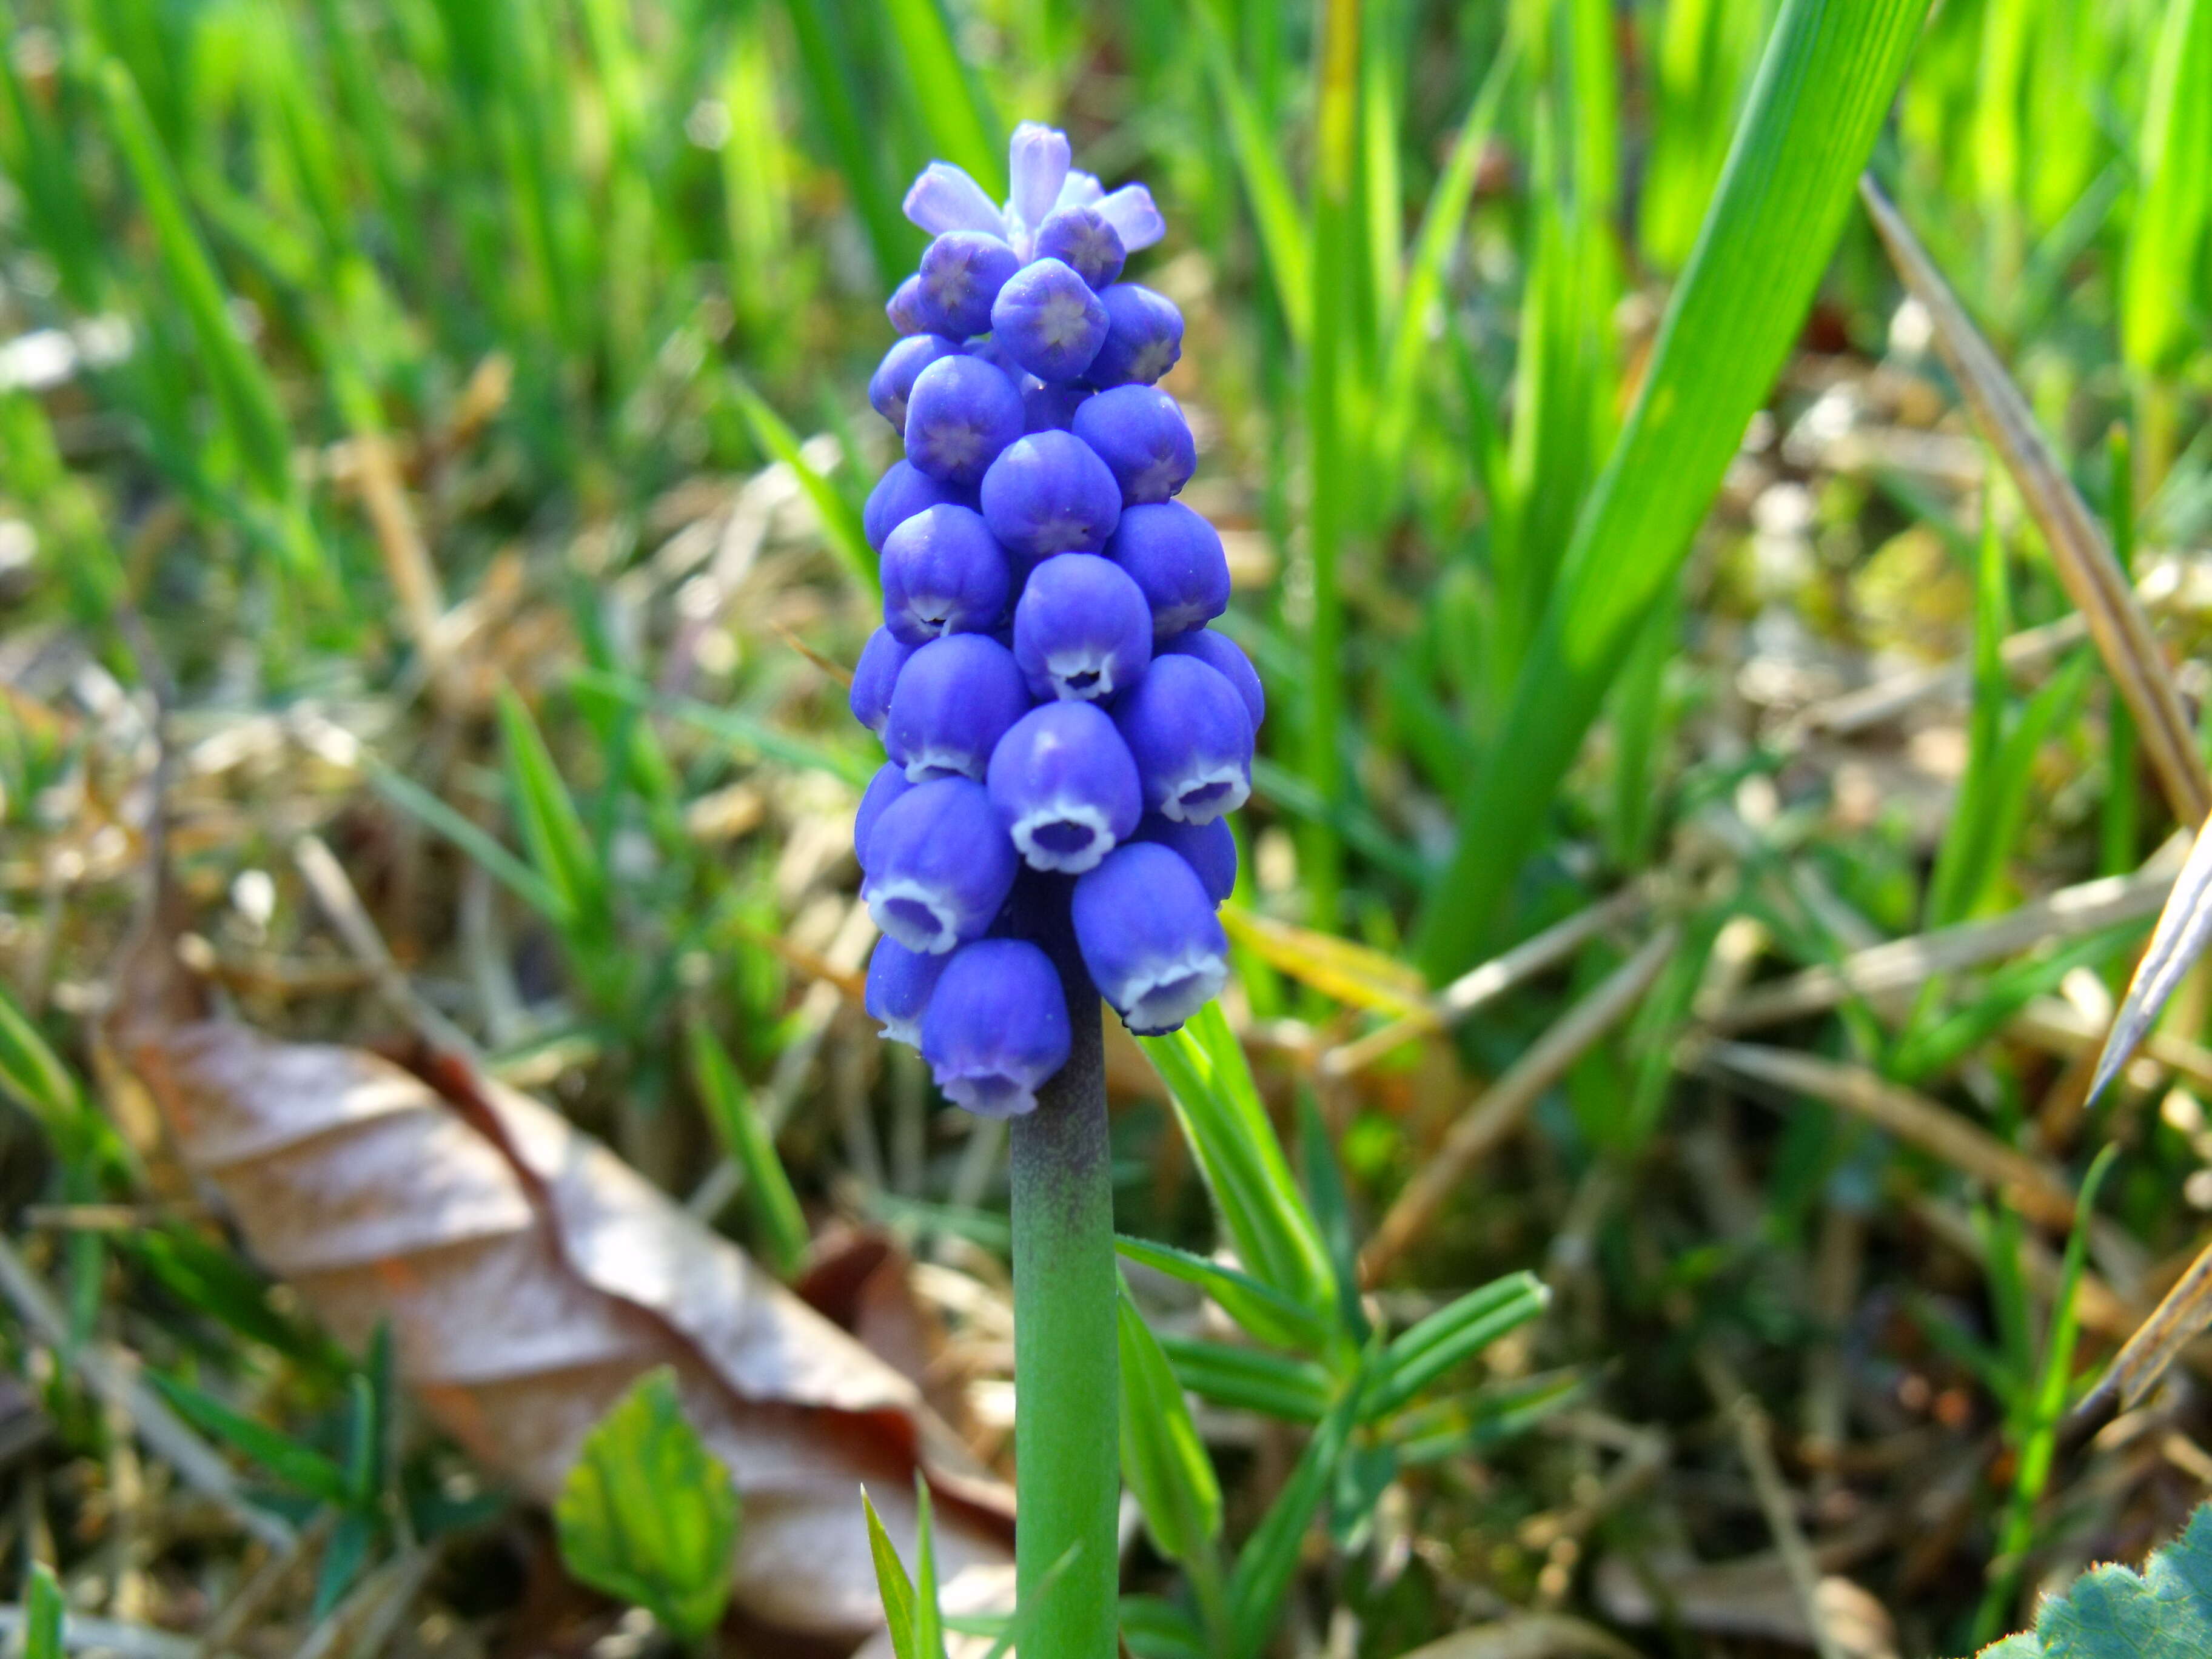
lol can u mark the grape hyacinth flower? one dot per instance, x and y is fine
(1065, 736)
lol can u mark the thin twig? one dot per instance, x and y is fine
(112, 1375)
(1754, 1441)
(326, 879)
(1499, 1109)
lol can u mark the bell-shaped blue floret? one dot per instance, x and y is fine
(1046, 493)
(1175, 556)
(1209, 848)
(889, 783)
(903, 308)
(904, 490)
(943, 573)
(955, 699)
(960, 413)
(1226, 657)
(1082, 629)
(962, 273)
(1150, 938)
(1144, 336)
(942, 197)
(899, 984)
(996, 1028)
(939, 866)
(1065, 786)
(1139, 431)
(1080, 238)
(1192, 739)
(1135, 219)
(874, 674)
(893, 380)
(1049, 321)
(1049, 408)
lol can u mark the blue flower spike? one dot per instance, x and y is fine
(939, 867)
(1191, 737)
(1083, 629)
(956, 697)
(899, 984)
(1049, 493)
(996, 1028)
(1065, 786)
(1064, 731)
(943, 573)
(1150, 938)
(960, 413)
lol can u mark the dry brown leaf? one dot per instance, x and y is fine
(528, 1276)
(1749, 1596)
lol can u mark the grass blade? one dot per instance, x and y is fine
(961, 126)
(1163, 1462)
(744, 1137)
(1274, 205)
(2160, 289)
(892, 1584)
(1263, 1311)
(841, 525)
(2083, 559)
(1823, 89)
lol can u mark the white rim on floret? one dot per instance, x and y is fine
(931, 613)
(1063, 532)
(1156, 481)
(907, 1031)
(899, 924)
(1178, 619)
(1228, 776)
(1170, 990)
(1153, 360)
(927, 764)
(1064, 811)
(1063, 667)
(987, 1092)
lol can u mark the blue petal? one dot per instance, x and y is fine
(1065, 786)
(942, 197)
(1144, 336)
(961, 275)
(1080, 238)
(904, 490)
(1047, 493)
(939, 865)
(900, 981)
(881, 660)
(997, 1028)
(886, 786)
(955, 699)
(1210, 849)
(1049, 321)
(893, 380)
(1191, 737)
(1082, 629)
(1149, 937)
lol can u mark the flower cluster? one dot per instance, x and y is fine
(1063, 728)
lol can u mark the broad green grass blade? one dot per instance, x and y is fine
(2163, 279)
(1249, 1379)
(1264, 1312)
(1829, 74)
(836, 106)
(841, 525)
(1163, 1462)
(1274, 205)
(43, 1610)
(1211, 1087)
(961, 126)
(738, 1126)
(892, 1585)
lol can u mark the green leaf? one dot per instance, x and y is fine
(560, 850)
(648, 1513)
(1453, 1334)
(961, 126)
(2161, 295)
(1163, 1459)
(1826, 81)
(1251, 1379)
(738, 1126)
(892, 1585)
(297, 1466)
(510, 871)
(928, 1611)
(1210, 1084)
(32, 1074)
(1270, 1556)
(1262, 1310)
(42, 1614)
(2116, 1613)
(1155, 1629)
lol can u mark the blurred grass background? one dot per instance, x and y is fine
(450, 411)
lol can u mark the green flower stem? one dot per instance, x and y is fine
(1066, 1384)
